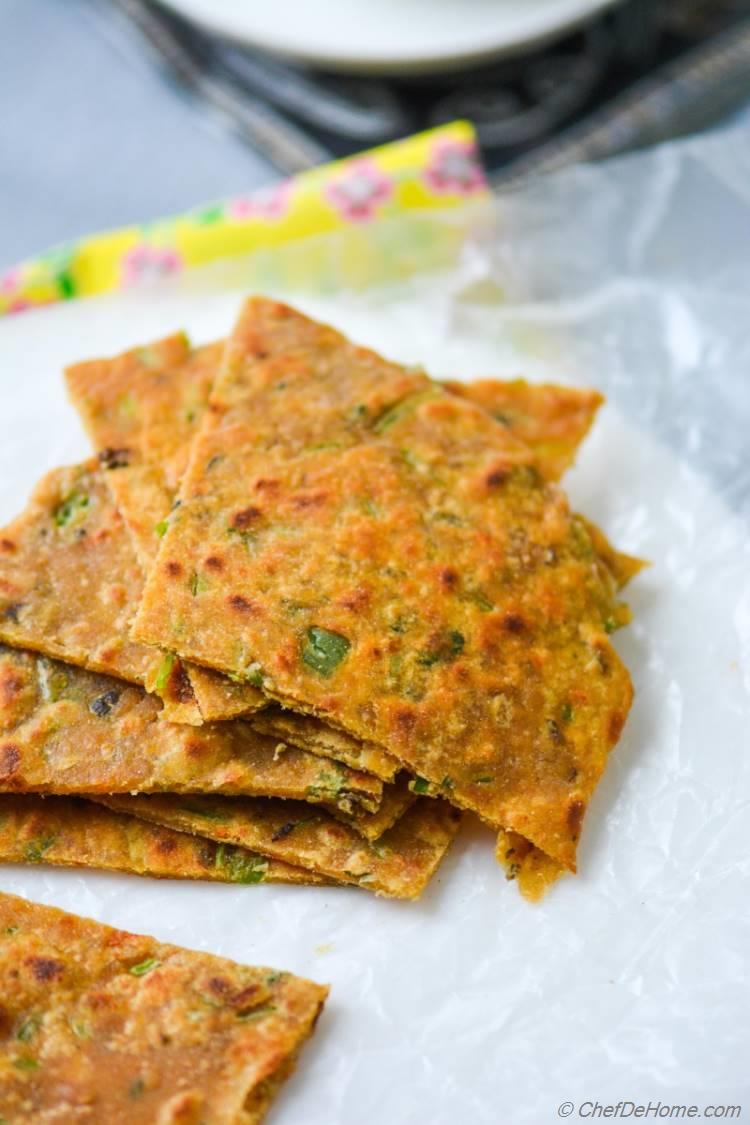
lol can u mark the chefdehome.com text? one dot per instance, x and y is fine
(627, 1110)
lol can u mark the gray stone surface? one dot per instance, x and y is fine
(93, 135)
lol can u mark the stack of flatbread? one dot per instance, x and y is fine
(301, 609)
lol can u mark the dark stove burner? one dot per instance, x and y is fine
(642, 71)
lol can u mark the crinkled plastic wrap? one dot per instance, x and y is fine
(629, 982)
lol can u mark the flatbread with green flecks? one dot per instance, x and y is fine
(71, 832)
(67, 731)
(69, 583)
(101, 1025)
(399, 864)
(141, 410)
(166, 396)
(392, 560)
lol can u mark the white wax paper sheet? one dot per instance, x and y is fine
(630, 981)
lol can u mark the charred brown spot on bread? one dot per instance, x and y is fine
(242, 605)
(214, 562)
(246, 517)
(514, 623)
(194, 747)
(206, 853)
(448, 578)
(46, 968)
(405, 720)
(180, 688)
(10, 760)
(111, 458)
(307, 500)
(165, 845)
(10, 684)
(576, 809)
(7, 546)
(102, 705)
(173, 568)
(267, 484)
(219, 986)
(496, 476)
(247, 998)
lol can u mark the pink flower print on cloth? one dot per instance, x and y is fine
(10, 284)
(21, 305)
(269, 203)
(144, 264)
(360, 191)
(455, 169)
(10, 281)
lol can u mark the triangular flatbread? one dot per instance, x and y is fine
(392, 561)
(103, 1025)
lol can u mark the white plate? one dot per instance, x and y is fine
(629, 982)
(390, 36)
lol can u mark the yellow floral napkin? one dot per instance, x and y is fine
(431, 170)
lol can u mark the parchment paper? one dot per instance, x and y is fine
(629, 982)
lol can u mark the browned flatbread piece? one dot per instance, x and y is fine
(141, 410)
(67, 731)
(143, 447)
(392, 561)
(552, 420)
(102, 1025)
(69, 582)
(68, 579)
(71, 832)
(398, 865)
